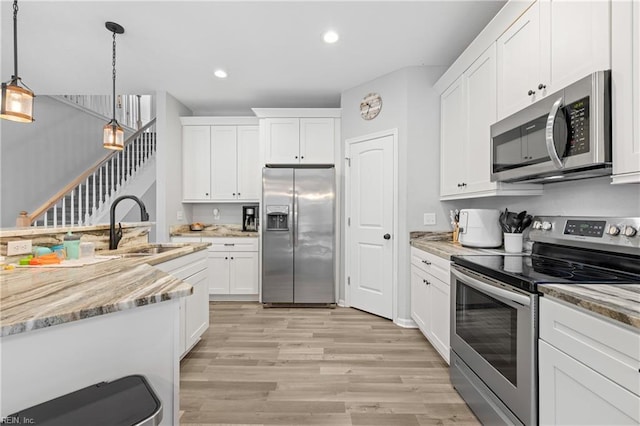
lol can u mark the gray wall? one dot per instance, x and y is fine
(169, 163)
(38, 159)
(149, 199)
(411, 106)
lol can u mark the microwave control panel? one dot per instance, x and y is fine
(577, 116)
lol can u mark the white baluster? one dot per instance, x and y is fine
(71, 220)
(80, 204)
(55, 214)
(64, 210)
(46, 222)
(93, 210)
(112, 186)
(86, 202)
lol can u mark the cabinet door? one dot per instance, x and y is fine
(439, 319)
(452, 139)
(196, 162)
(518, 51)
(218, 263)
(197, 308)
(317, 140)
(223, 163)
(480, 113)
(249, 176)
(572, 393)
(282, 140)
(576, 40)
(419, 298)
(244, 273)
(625, 81)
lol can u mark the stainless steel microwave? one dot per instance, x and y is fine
(565, 136)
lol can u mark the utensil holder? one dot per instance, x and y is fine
(512, 242)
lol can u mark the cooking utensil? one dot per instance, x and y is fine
(525, 223)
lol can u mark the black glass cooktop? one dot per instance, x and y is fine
(527, 271)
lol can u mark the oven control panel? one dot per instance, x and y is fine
(620, 234)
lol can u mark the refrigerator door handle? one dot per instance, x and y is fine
(295, 217)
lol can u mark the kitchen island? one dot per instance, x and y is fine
(67, 328)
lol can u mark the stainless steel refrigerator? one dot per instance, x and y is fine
(298, 235)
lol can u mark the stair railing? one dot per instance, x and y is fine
(87, 194)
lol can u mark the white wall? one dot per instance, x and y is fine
(169, 163)
(588, 197)
(39, 158)
(410, 105)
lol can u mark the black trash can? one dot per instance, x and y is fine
(126, 401)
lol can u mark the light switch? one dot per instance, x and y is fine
(179, 215)
(429, 218)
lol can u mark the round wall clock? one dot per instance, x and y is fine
(370, 106)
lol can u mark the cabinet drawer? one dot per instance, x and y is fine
(232, 244)
(432, 264)
(187, 271)
(185, 239)
(609, 349)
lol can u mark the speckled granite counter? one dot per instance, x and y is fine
(439, 244)
(619, 302)
(212, 231)
(33, 298)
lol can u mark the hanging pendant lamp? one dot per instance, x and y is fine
(17, 98)
(113, 134)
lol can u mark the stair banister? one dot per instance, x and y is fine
(84, 176)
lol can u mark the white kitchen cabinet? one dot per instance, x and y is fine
(194, 309)
(553, 44)
(468, 108)
(221, 163)
(299, 140)
(196, 162)
(588, 368)
(430, 305)
(625, 77)
(233, 266)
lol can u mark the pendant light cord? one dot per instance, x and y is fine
(15, 40)
(114, 74)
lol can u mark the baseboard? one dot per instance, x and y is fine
(342, 303)
(405, 323)
(233, 297)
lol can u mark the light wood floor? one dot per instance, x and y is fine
(310, 366)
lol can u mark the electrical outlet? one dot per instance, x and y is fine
(18, 247)
(216, 214)
(179, 215)
(429, 218)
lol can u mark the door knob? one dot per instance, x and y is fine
(387, 237)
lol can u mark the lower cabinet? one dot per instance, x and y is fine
(588, 368)
(194, 309)
(430, 305)
(233, 266)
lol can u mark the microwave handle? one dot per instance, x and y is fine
(551, 121)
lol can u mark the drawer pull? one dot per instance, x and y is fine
(426, 282)
(229, 244)
(426, 262)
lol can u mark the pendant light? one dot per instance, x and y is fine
(113, 134)
(17, 98)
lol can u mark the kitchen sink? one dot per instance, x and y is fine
(155, 250)
(148, 250)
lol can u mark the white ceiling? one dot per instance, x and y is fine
(273, 51)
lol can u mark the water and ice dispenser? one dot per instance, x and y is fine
(277, 218)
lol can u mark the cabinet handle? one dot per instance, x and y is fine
(462, 185)
(232, 258)
(296, 157)
(426, 282)
(229, 244)
(226, 258)
(426, 262)
(531, 92)
(302, 157)
(238, 194)
(206, 193)
(541, 86)
(234, 194)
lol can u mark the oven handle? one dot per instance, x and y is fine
(492, 290)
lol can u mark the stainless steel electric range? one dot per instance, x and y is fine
(494, 307)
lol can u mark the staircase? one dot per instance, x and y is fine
(86, 199)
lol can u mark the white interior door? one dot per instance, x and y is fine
(370, 201)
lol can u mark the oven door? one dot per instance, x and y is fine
(494, 334)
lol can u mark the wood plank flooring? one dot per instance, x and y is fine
(310, 366)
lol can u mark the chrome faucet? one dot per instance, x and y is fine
(116, 236)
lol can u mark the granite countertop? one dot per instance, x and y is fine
(37, 230)
(212, 231)
(33, 298)
(620, 302)
(440, 244)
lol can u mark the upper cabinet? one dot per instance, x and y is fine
(468, 108)
(625, 76)
(220, 162)
(299, 136)
(551, 45)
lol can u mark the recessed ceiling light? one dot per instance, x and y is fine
(330, 36)
(220, 73)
